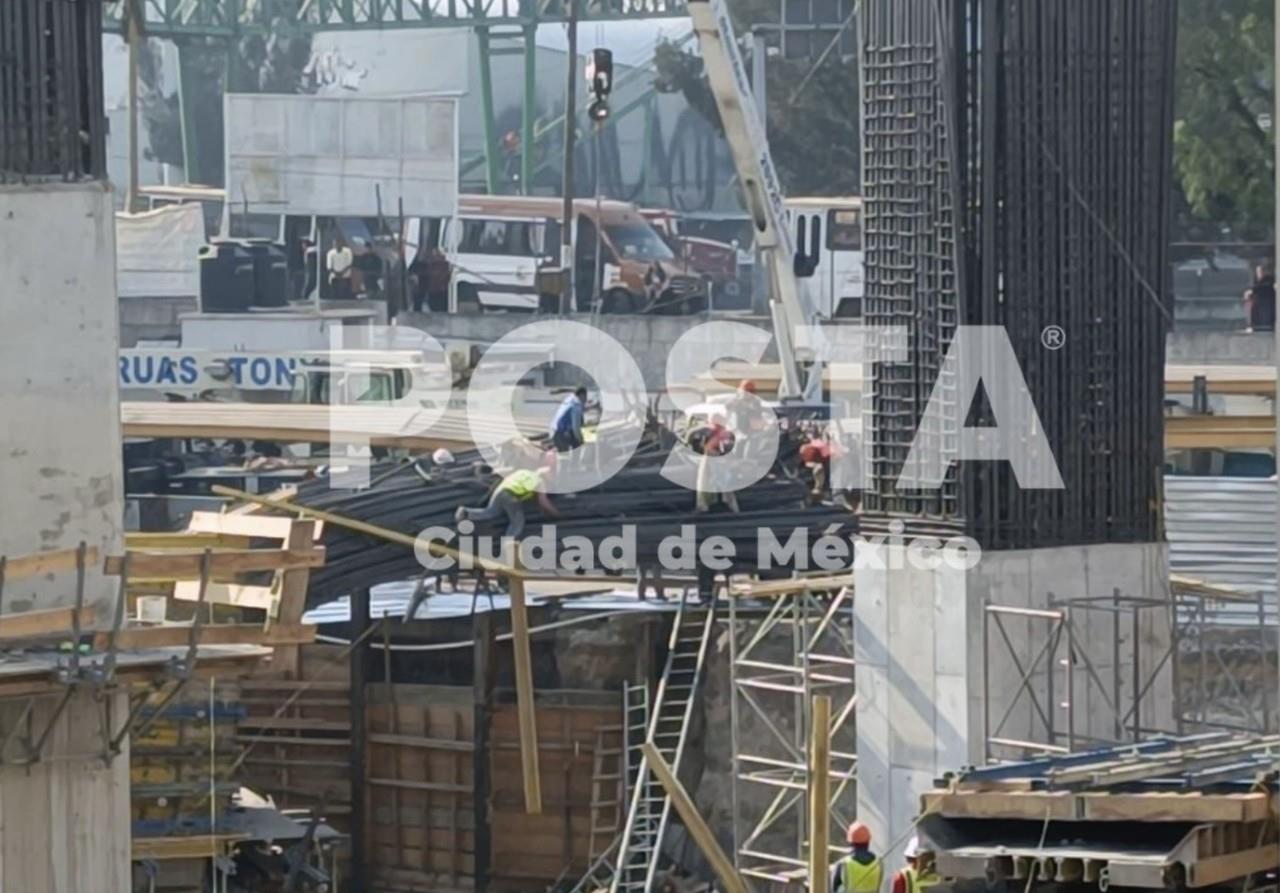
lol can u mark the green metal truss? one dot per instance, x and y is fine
(227, 18)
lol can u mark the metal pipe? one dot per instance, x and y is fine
(570, 124)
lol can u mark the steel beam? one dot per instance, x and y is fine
(233, 18)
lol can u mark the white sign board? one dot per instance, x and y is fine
(333, 156)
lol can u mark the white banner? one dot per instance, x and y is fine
(157, 252)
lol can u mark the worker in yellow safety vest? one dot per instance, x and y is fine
(861, 871)
(509, 497)
(919, 875)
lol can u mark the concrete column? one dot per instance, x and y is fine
(921, 658)
(60, 467)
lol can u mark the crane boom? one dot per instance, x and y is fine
(793, 315)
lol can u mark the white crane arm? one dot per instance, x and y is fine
(789, 302)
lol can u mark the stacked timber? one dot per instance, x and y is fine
(1169, 813)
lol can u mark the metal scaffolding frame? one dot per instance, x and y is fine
(1064, 652)
(814, 627)
(1200, 640)
(1062, 669)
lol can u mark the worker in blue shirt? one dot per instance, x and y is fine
(566, 427)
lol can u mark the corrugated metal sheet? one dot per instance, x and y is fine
(1223, 530)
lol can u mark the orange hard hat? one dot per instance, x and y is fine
(748, 386)
(859, 834)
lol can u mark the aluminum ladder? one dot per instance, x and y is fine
(650, 808)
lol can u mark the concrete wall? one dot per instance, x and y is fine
(64, 822)
(919, 638)
(648, 338)
(152, 318)
(60, 439)
(1227, 348)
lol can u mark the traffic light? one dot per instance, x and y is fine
(600, 73)
(600, 79)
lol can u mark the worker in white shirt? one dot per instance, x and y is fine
(340, 261)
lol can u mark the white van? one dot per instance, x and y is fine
(498, 244)
(829, 231)
(495, 259)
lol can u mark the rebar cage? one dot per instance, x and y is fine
(52, 125)
(1025, 187)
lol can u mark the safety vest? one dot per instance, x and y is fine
(862, 878)
(521, 484)
(920, 881)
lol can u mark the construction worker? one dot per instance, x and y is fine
(566, 426)
(509, 498)
(919, 875)
(861, 871)
(713, 440)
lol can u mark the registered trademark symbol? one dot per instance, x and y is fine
(1053, 337)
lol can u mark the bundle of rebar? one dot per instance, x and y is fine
(414, 496)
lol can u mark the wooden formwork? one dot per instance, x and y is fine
(529, 849)
(296, 735)
(421, 774)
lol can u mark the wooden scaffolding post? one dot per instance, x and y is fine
(819, 793)
(359, 663)
(524, 698)
(693, 820)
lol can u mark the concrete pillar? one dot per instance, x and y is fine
(64, 822)
(919, 637)
(60, 466)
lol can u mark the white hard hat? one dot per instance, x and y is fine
(442, 457)
(913, 848)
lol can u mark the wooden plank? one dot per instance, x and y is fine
(1101, 806)
(436, 786)
(416, 741)
(766, 588)
(300, 423)
(1172, 807)
(1219, 432)
(291, 685)
(293, 595)
(1254, 381)
(1057, 806)
(259, 526)
(524, 697)
(1234, 866)
(189, 565)
(170, 636)
(37, 624)
(730, 880)
(373, 530)
(819, 790)
(195, 847)
(265, 598)
(22, 567)
(293, 722)
(184, 539)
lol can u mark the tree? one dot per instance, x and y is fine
(812, 114)
(1224, 149)
(253, 64)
